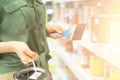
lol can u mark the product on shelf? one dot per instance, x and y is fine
(107, 72)
(111, 72)
(114, 74)
(96, 66)
(105, 28)
(68, 45)
(84, 57)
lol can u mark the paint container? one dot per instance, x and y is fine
(96, 66)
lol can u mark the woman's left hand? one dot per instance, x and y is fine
(54, 32)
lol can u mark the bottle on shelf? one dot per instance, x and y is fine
(84, 57)
(107, 71)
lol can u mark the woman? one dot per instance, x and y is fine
(23, 35)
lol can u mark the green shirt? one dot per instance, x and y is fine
(23, 20)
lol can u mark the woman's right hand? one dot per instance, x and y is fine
(23, 51)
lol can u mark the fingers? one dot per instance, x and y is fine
(31, 54)
(56, 35)
(24, 58)
(26, 54)
(23, 51)
(55, 32)
(58, 29)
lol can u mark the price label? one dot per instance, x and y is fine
(35, 75)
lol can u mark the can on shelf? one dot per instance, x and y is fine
(114, 74)
(107, 68)
(96, 66)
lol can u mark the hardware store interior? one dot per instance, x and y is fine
(91, 53)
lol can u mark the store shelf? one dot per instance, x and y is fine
(107, 51)
(71, 60)
(110, 52)
(61, 1)
(48, 0)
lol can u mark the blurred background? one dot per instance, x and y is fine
(96, 55)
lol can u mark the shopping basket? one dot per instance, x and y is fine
(30, 73)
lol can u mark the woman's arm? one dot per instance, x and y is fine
(21, 49)
(5, 47)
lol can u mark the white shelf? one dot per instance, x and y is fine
(64, 1)
(72, 61)
(108, 52)
(48, 0)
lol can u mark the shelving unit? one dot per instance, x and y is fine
(75, 11)
(108, 52)
(65, 11)
(72, 60)
(62, 1)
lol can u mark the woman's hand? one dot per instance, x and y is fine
(23, 51)
(54, 32)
